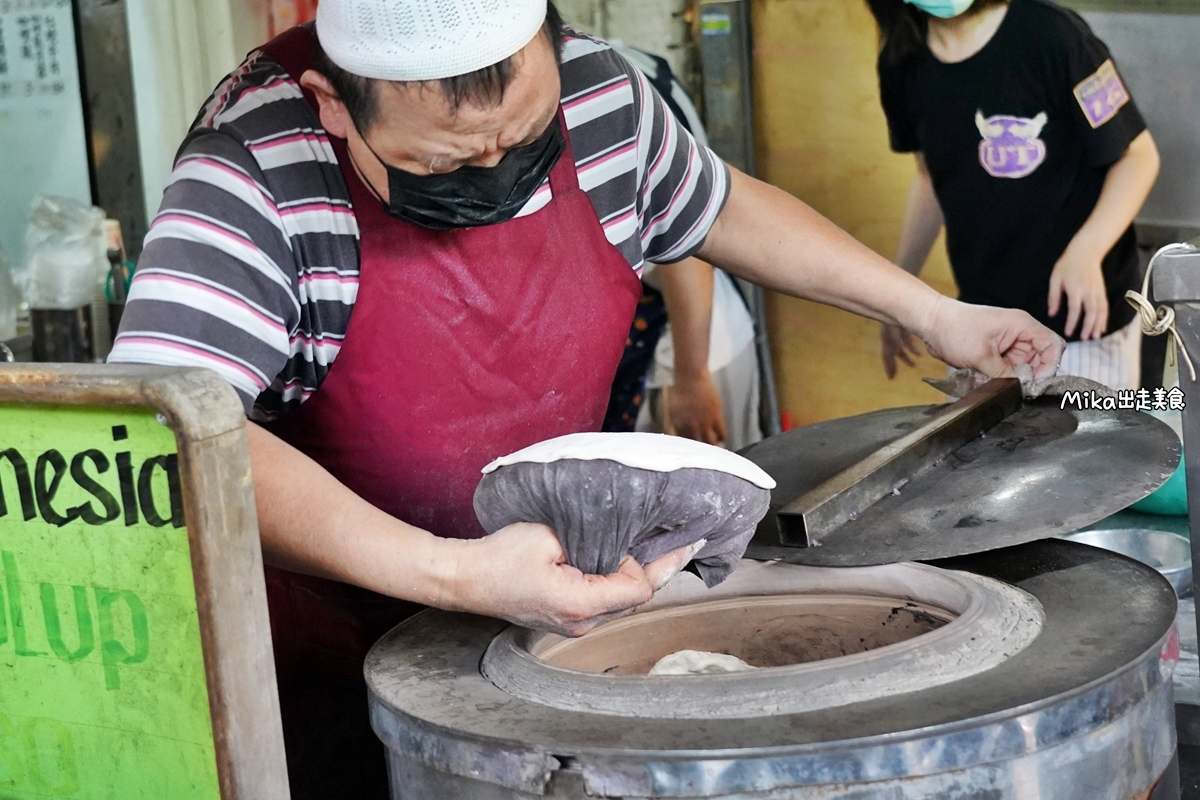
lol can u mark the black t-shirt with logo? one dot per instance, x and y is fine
(1018, 140)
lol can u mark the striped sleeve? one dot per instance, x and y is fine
(656, 191)
(683, 185)
(216, 284)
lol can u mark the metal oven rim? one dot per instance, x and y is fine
(436, 710)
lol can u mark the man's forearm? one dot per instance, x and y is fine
(923, 222)
(310, 523)
(1126, 187)
(770, 238)
(687, 289)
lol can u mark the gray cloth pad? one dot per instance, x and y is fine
(602, 510)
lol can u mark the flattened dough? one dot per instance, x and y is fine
(698, 662)
(653, 451)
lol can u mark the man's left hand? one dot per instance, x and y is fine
(991, 340)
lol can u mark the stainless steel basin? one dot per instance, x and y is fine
(1169, 553)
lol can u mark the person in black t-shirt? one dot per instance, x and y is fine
(1033, 154)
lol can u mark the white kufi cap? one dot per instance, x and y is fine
(424, 40)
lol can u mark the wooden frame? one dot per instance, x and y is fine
(214, 467)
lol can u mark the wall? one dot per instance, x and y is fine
(284, 14)
(822, 137)
(180, 50)
(656, 26)
(1160, 64)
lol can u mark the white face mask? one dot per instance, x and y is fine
(944, 9)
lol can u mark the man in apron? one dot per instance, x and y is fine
(411, 237)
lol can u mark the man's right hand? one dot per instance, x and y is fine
(898, 344)
(994, 341)
(521, 574)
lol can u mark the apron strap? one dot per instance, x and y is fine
(295, 51)
(563, 178)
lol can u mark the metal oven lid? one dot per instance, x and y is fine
(1040, 472)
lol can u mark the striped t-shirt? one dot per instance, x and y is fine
(251, 265)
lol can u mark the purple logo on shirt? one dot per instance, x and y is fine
(1102, 94)
(1011, 147)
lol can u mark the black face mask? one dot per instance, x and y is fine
(473, 196)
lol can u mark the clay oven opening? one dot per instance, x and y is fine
(768, 631)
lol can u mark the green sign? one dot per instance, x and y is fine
(103, 692)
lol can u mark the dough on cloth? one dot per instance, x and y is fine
(698, 662)
(602, 509)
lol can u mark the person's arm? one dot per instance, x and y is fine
(922, 223)
(693, 403)
(766, 236)
(1078, 273)
(518, 573)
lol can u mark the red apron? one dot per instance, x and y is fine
(462, 346)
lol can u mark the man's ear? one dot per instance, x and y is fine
(334, 116)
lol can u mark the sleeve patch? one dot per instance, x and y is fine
(1102, 94)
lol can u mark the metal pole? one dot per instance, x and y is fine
(725, 57)
(1176, 283)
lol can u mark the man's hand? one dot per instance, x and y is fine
(1078, 274)
(991, 340)
(898, 344)
(693, 409)
(520, 574)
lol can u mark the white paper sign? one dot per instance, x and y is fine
(42, 135)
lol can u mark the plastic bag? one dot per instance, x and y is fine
(10, 301)
(65, 242)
